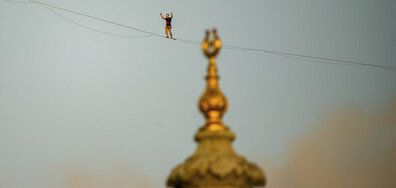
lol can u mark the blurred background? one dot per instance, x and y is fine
(80, 108)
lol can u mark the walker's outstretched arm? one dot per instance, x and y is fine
(172, 15)
(162, 16)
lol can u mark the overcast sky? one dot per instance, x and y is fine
(72, 98)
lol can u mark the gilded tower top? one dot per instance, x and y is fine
(214, 163)
(213, 103)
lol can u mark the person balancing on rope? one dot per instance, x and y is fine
(168, 26)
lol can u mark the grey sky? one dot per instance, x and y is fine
(71, 95)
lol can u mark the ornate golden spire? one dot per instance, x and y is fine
(214, 163)
(213, 103)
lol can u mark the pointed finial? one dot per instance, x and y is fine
(213, 103)
(211, 44)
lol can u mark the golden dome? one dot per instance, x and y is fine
(215, 163)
